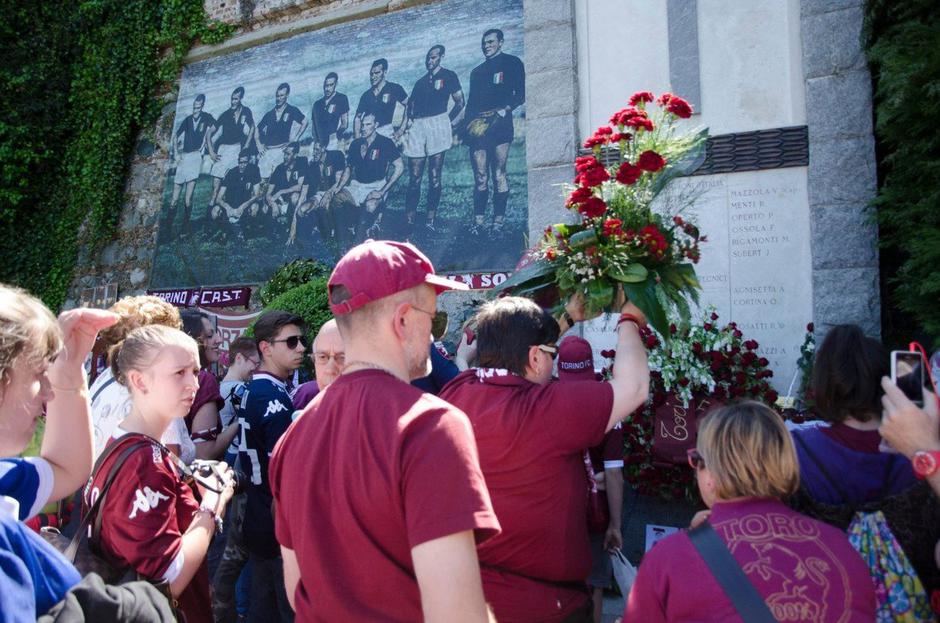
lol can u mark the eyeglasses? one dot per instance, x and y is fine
(254, 362)
(695, 459)
(551, 350)
(324, 358)
(432, 314)
(292, 341)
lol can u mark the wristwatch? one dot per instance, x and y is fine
(926, 463)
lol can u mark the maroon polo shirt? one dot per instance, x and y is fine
(531, 440)
(372, 468)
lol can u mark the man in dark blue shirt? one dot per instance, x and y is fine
(265, 414)
(186, 151)
(381, 99)
(366, 179)
(285, 184)
(323, 174)
(497, 87)
(428, 131)
(239, 199)
(233, 134)
(281, 125)
(330, 114)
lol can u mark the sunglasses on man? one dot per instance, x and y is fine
(292, 341)
(551, 350)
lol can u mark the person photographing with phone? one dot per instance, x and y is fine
(845, 471)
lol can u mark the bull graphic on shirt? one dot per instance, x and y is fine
(799, 596)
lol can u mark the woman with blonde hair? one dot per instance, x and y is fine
(40, 372)
(150, 520)
(750, 557)
(110, 401)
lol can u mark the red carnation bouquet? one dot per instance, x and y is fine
(619, 240)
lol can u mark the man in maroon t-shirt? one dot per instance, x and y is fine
(531, 434)
(379, 496)
(576, 363)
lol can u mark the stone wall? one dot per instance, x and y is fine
(842, 175)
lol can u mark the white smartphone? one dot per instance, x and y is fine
(907, 372)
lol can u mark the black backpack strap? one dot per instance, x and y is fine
(730, 576)
(128, 449)
(833, 482)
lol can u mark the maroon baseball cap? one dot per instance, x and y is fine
(575, 360)
(379, 268)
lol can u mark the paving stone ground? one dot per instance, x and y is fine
(613, 608)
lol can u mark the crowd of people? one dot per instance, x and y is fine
(489, 487)
(267, 182)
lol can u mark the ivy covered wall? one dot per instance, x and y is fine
(79, 79)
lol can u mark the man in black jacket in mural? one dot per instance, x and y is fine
(497, 87)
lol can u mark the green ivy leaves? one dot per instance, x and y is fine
(79, 80)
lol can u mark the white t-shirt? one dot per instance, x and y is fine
(227, 412)
(111, 403)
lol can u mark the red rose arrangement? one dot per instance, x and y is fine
(619, 241)
(701, 361)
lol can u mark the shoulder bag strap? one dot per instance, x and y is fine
(833, 482)
(730, 576)
(72, 549)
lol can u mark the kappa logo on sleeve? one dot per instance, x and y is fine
(146, 500)
(274, 407)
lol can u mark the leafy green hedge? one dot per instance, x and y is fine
(903, 45)
(79, 80)
(291, 275)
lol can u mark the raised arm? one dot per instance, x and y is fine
(68, 443)
(631, 373)
(909, 429)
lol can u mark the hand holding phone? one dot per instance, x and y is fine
(907, 372)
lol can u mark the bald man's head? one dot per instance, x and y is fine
(329, 355)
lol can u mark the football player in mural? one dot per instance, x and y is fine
(239, 200)
(497, 87)
(186, 151)
(428, 131)
(381, 99)
(323, 174)
(281, 125)
(330, 114)
(366, 178)
(285, 184)
(232, 135)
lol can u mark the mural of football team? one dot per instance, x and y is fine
(405, 126)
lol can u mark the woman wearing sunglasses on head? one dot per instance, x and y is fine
(150, 520)
(40, 366)
(782, 564)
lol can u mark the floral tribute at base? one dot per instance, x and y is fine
(702, 366)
